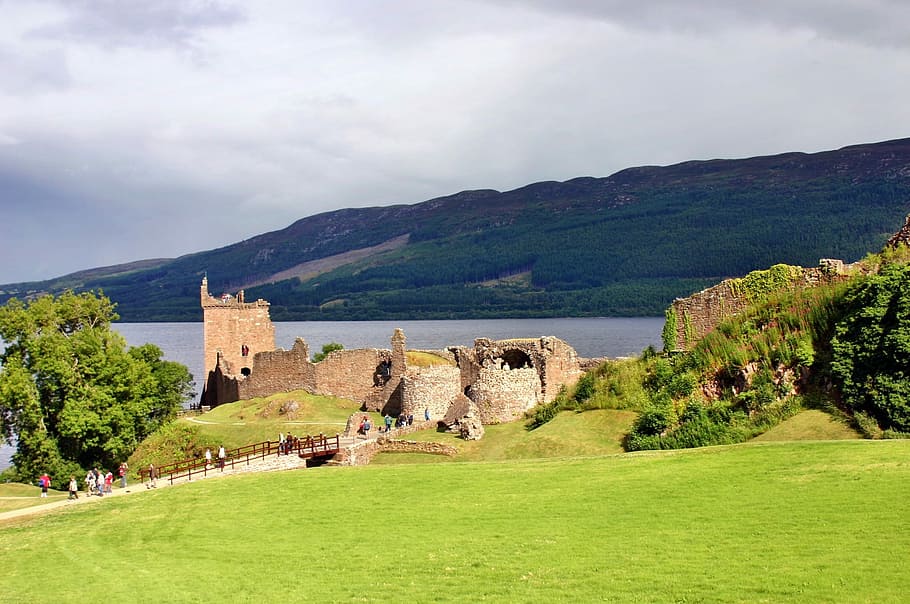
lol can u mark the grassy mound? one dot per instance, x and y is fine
(243, 423)
(809, 425)
(813, 521)
(569, 435)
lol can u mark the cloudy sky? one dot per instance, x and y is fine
(133, 130)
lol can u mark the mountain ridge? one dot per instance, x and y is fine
(625, 244)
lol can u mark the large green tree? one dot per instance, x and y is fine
(73, 395)
(872, 348)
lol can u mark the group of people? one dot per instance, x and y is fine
(98, 483)
(287, 443)
(399, 422)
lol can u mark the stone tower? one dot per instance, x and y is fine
(234, 329)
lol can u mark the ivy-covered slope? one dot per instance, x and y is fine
(621, 245)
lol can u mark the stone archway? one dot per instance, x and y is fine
(516, 359)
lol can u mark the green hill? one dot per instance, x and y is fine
(626, 244)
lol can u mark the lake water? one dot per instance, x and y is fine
(591, 337)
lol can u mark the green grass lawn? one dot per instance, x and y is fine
(15, 496)
(770, 522)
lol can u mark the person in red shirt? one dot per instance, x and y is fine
(45, 482)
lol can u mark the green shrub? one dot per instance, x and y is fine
(326, 349)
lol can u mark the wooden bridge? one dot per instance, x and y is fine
(308, 447)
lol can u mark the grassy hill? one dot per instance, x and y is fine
(611, 246)
(813, 521)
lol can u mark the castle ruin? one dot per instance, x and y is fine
(498, 381)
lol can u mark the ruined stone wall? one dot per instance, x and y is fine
(432, 388)
(560, 366)
(219, 388)
(362, 453)
(279, 371)
(232, 326)
(902, 237)
(503, 395)
(700, 313)
(350, 373)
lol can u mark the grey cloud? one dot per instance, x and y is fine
(32, 72)
(128, 23)
(871, 22)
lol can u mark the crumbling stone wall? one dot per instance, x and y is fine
(362, 453)
(350, 373)
(279, 371)
(503, 395)
(432, 388)
(902, 237)
(700, 313)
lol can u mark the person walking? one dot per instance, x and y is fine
(208, 458)
(99, 482)
(44, 482)
(388, 423)
(74, 488)
(152, 477)
(221, 457)
(122, 471)
(367, 426)
(109, 482)
(89, 483)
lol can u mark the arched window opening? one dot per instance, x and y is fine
(516, 359)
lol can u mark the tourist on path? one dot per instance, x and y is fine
(208, 458)
(123, 470)
(221, 456)
(74, 488)
(109, 482)
(89, 483)
(44, 482)
(152, 478)
(99, 482)
(388, 423)
(367, 426)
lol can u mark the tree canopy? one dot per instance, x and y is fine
(872, 348)
(73, 395)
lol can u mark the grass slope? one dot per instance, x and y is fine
(811, 522)
(809, 425)
(568, 435)
(260, 419)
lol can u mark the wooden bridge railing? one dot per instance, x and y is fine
(306, 447)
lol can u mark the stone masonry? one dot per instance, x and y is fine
(502, 379)
(235, 329)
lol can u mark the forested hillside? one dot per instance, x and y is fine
(621, 245)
